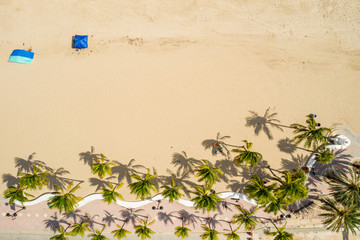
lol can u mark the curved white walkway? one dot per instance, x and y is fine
(135, 204)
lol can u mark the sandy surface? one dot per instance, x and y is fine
(160, 77)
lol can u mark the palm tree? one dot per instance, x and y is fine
(280, 233)
(232, 234)
(324, 156)
(205, 199)
(143, 231)
(109, 195)
(124, 171)
(340, 217)
(292, 186)
(121, 231)
(101, 167)
(62, 235)
(258, 191)
(143, 187)
(312, 135)
(17, 193)
(276, 205)
(219, 141)
(210, 234)
(182, 231)
(245, 217)
(35, 180)
(79, 228)
(260, 123)
(65, 200)
(207, 174)
(246, 156)
(172, 193)
(98, 234)
(345, 188)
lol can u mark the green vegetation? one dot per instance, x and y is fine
(143, 187)
(142, 230)
(246, 156)
(64, 200)
(172, 193)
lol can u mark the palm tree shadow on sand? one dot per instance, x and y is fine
(262, 123)
(88, 156)
(296, 162)
(10, 180)
(132, 215)
(180, 180)
(124, 171)
(109, 218)
(54, 222)
(100, 183)
(188, 217)
(228, 168)
(166, 217)
(287, 145)
(184, 163)
(26, 165)
(210, 143)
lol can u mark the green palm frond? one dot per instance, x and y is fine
(79, 228)
(324, 156)
(142, 230)
(110, 195)
(172, 193)
(246, 156)
(232, 234)
(182, 232)
(143, 187)
(35, 180)
(209, 234)
(98, 235)
(292, 186)
(280, 234)
(204, 199)
(207, 174)
(345, 187)
(62, 235)
(311, 135)
(102, 167)
(245, 217)
(120, 233)
(65, 200)
(16, 193)
(257, 190)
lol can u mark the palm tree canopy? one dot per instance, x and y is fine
(275, 206)
(204, 199)
(209, 234)
(338, 216)
(110, 195)
(207, 174)
(65, 200)
(345, 187)
(172, 193)
(16, 193)
(120, 233)
(35, 180)
(245, 217)
(312, 135)
(292, 186)
(324, 156)
(258, 191)
(280, 234)
(62, 235)
(182, 232)
(143, 231)
(246, 156)
(102, 166)
(98, 235)
(232, 234)
(143, 187)
(79, 228)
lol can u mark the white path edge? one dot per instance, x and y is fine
(136, 204)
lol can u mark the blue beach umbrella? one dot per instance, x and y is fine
(21, 56)
(81, 41)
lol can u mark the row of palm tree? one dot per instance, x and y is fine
(273, 197)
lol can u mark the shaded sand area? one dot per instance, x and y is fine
(161, 77)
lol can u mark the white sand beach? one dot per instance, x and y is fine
(159, 77)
